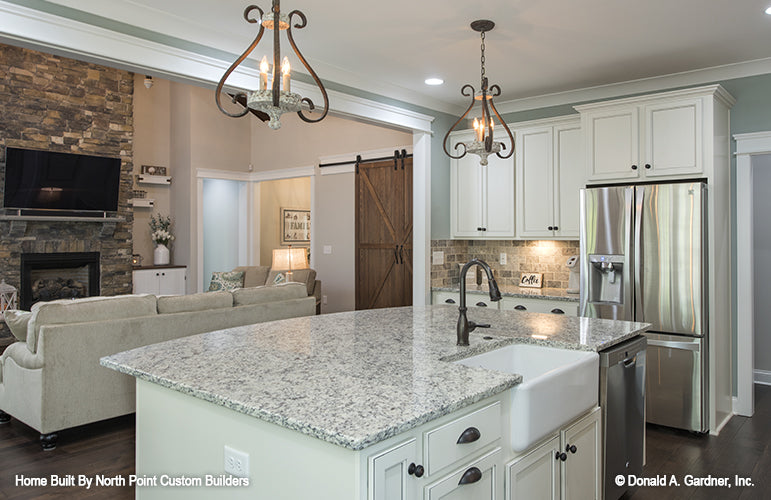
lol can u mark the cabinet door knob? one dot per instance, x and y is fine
(550, 228)
(416, 470)
(520, 307)
(449, 301)
(469, 435)
(479, 229)
(557, 310)
(648, 166)
(571, 448)
(481, 304)
(556, 228)
(634, 167)
(470, 476)
(560, 456)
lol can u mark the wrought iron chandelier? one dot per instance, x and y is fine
(483, 144)
(274, 96)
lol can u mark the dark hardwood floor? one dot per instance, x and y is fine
(105, 448)
(743, 448)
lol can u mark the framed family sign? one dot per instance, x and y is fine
(295, 226)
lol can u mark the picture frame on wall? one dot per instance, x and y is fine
(153, 170)
(295, 226)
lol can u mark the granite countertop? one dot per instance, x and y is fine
(517, 291)
(356, 378)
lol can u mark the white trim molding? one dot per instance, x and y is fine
(763, 377)
(351, 157)
(747, 145)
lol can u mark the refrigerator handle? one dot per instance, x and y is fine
(638, 253)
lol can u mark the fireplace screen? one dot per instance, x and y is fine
(51, 276)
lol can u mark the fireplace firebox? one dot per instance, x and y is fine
(51, 276)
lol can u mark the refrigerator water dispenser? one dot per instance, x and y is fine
(606, 279)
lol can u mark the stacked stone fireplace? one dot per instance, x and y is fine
(54, 103)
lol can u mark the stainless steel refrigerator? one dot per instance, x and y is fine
(643, 258)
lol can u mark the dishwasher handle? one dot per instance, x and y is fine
(689, 346)
(630, 361)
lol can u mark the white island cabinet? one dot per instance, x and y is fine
(179, 435)
(361, 405)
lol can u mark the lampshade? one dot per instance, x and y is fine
(289, 259)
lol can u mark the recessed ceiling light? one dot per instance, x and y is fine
(768, 11)
(434, 81)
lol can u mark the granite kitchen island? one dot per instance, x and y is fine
(321, 403)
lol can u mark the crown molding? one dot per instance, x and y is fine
(43, 31)
(641, 86)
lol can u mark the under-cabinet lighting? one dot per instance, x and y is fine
(539, 337)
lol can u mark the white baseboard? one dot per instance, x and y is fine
(762, 377)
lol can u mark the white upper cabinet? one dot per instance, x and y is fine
(481, 197)
(649, 137)
(550, 172)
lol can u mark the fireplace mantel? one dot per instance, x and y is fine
(18, 226)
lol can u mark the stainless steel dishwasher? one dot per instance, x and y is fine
(622, 398)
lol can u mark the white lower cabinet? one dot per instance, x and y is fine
(160, 281)
(472, 299)
(389, 476)
(539, 305)
(566, 467)
(480, 480)
(467, 456)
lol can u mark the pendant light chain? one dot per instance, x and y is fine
(483, 57)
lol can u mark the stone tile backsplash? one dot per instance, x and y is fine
(547, 257)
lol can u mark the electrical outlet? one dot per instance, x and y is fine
(503, 259)
(236, 462)
(438, 258)
(327, 250)
(324, 299)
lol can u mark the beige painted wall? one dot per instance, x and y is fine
(152, 137)
(180, 126)
(298, 144)
(275, 195)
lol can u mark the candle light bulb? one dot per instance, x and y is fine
(264, 68)
(285, 70)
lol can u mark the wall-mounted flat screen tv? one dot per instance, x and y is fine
(45, 180)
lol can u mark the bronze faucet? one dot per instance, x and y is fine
(464, 325)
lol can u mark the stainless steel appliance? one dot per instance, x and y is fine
(643, 258)
(622, 399)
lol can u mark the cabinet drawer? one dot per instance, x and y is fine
(472, 299)
(441, 444)
(539, 305)
(478, 480)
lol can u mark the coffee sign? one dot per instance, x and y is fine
(531, 280)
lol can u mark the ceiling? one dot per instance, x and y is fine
(537, 47)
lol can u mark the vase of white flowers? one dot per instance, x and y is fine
(160, 232)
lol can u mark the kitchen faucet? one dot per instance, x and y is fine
(464, 325)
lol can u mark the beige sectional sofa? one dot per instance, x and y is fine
(51, 378)
(264, 275)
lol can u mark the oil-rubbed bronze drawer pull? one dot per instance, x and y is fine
(469, 435)
(470, 476)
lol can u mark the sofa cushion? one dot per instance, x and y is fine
(195, 302)
(271, 293)
(226, 280)
(254, 275)
(305, 276)
(66, 311)
(17, 322)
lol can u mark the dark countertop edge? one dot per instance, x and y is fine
(522, 295)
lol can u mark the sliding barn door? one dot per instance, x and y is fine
(384, 234)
